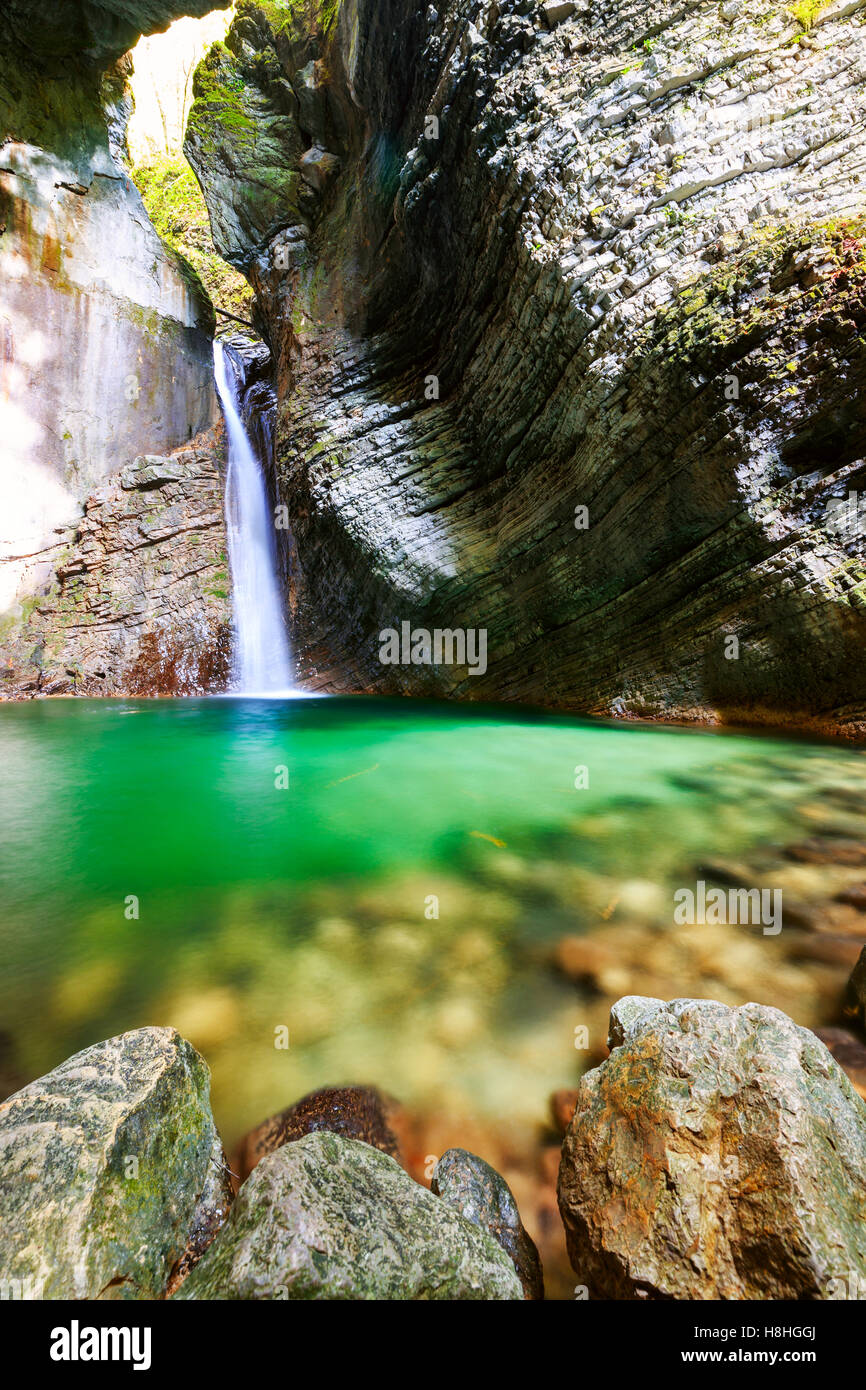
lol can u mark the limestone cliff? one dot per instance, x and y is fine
(567, 304)
(138, 600)
(105, 335)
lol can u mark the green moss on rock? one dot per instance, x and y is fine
(113, 1172)
(177, 209)
(331, 1218)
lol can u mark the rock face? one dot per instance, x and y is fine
(478, 1192)
(137, 599)
(353, 1112)
(331, 1218)
(243, 128)
(105, 335)
(718, 1153)
(614, 265)
(112, 1174)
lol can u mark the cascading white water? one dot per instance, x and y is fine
(262, 661)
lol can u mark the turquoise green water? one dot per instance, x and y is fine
(311, 908)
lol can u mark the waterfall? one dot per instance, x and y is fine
(262, 660)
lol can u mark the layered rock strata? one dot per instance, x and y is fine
(135, 598)
(567, 319)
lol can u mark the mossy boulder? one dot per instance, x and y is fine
(332, 1218)
(112, 1174)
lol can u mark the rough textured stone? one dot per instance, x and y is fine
(112, 1174)
(631, 254)
(828, 851)
(718, 1153)
(331, 1218)
(242, 129)
(135, 598)
(480, 1194)
(353, 1112)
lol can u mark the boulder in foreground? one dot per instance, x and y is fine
(719, 1153)
(479, 1193)
(112, 1174)
(332, 1218)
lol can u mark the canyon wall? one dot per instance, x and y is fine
(567, 306)
(105, 356)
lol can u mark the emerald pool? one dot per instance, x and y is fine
(248, 871)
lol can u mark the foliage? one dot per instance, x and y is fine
(284, 15)
(807, 11)
(177, 209)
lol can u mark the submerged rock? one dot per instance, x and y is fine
(718, 1153)
(353, 1112)
(480, 1194)
(562, 1107)
(824, 850)
(857, 989)
(854, 895)
(332, 1218)
(112, 1174)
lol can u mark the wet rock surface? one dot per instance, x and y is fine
(112, 1174)
(483, 1197)
(353, 1112)
(718, 1153)
(331, 1218)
